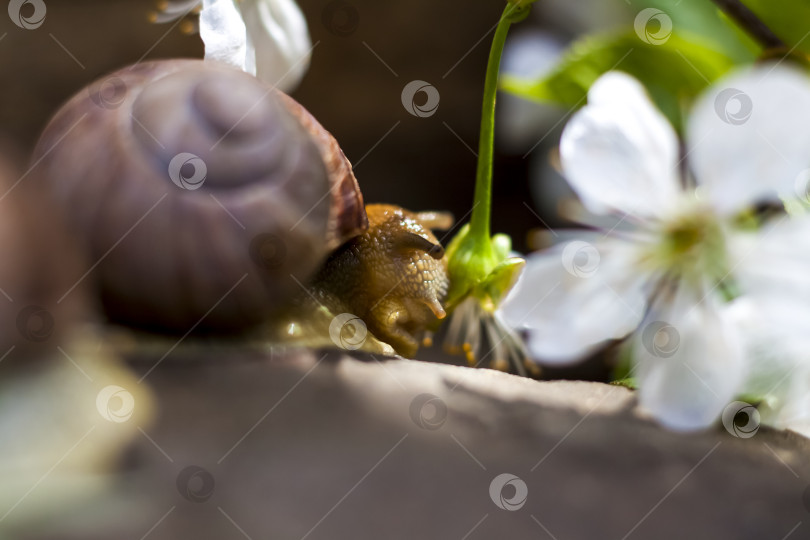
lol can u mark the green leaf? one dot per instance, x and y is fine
(673, 72)
(788, 19)
(757, 400)
(629, 382)
(704, 19)
(623, 370)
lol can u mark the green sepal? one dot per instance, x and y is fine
(470, 259)
(502, 244)
(481, 267)
(494, 288)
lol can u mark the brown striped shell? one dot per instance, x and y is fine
(204, 197)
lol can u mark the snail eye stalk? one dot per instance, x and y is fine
(408, 240)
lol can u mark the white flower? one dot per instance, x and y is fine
(268, 38)
(472, 326)
(667, 272)
(781, 375)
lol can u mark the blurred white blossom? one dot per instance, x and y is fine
(691, 276)
(267, 38)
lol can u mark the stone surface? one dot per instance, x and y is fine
(316, 444)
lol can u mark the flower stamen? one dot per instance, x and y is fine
(691, 245)
(472, 328)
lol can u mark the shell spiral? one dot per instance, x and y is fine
(199, 193)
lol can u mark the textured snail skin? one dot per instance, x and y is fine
(219, 258)
(393, 276)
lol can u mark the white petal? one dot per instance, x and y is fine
(774, 261)
(777, 340)
(575, 296)
(619, 153)
(690, 362)
(279, 41)
(223, 32)
(748, 136)
(777, 337)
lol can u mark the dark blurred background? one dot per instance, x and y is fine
(366, 52)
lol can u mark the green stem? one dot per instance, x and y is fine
(479, 223)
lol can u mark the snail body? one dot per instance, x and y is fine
(392, 277)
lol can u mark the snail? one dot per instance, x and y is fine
(392, 277)
(40, 297)
(53, 370)
(208, 201)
